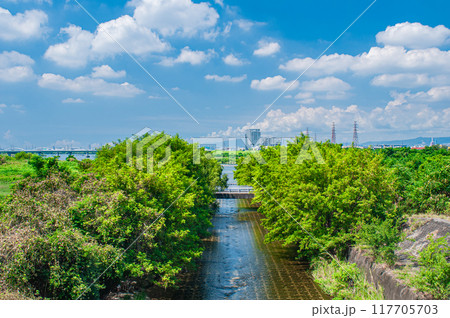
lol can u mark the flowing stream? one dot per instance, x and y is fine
(237, 264)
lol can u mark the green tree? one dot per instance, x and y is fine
(65, 226)
(317, 203)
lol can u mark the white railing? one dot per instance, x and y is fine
(238, 190)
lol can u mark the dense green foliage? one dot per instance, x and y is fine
(230, 156)
(22, 165)
(314, 203)
(422, 179)
(11, 171)
(343, 281)
(325, 198)
(69, 233)
(434, 274)
(78, 228)
(380, 238)
(23, 156)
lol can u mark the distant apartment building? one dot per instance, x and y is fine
(252, 137)
(272, 141)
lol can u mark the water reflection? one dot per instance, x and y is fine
(237, 264)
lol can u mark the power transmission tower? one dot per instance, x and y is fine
(307, 132)
(355, 134)
(333, 134)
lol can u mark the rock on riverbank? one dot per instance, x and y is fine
(417, 230)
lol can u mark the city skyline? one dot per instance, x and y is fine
(254, 138)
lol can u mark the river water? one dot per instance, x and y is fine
(237, 264)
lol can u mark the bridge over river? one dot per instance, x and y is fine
(237, 264)
(236, 192)
(86, 153)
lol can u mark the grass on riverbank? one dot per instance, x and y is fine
(343, 281)
(229, 156)
(13, 170)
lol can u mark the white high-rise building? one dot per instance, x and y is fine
(252, 137)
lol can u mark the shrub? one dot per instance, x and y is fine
(422, 179)
(85, 164)
(5, 159)
(61, 265)
(434, 274)
(23, 155)
(60, 230)
(381, 238)
(343, 281)
(71, 158)
(42, 254)
(44, 167)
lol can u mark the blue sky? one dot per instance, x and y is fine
(65, 81)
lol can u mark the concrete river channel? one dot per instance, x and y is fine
(237, 264)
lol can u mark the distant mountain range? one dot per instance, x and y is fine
(424, 141)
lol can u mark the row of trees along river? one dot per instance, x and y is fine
(100, 228)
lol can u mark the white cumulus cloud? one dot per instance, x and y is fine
(330, 83)
(232, 60)
(15, 67)
(433, 95)
(409, 48)
(105, 71)
(23, 26)
(305, 98)
(266, 48)
(279, 122)
(414, 35)
(400, 115)
(170, 17)
(75, 52)
(189, 56)
(392, 59)
(410, 80)
(441, 93)
(389, 59)
(134, 37)
(330, 88)
(326, 65)
(110, 38)
(87, 84)
(271, 83)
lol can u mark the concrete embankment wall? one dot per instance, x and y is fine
(381, 275)
(417, 231)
